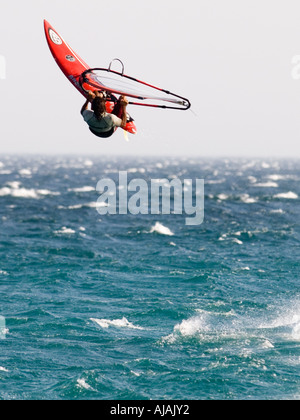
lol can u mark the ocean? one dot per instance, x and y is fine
(143, 306)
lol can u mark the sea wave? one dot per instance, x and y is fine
(120, 323)
(92, 205)
(245, 198)
(289, 195)
(82, 189)
(269, 184)
(81, 383)
(65, 231)
(14, 189)
(25, 172)
(161, 229)
(194, 327)
(287, 322)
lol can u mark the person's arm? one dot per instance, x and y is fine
(85, 106)
(90, 98)
(124, 119)
(124, 103)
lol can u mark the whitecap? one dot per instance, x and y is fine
(252, 179)
(245, 198)
(289, 195)
(135, 373)
(214, 181)
(267, 344)
(3, 331)
(161, 229)
(25, 172)
(88, 163)
(2, 369)
(187, 328)
(135, 170)
(268, 184)
(82, 189)
(296, 328)
(13, 184)
(278, 177)
(92, 205)
(120, 323)
(18, 193)
(288, 322)
(65, 231)
(82, 384)
(47, 192)
(190, 326)
(222, 196)
(111, 171)
(277, 211)
(15, 191)
(96, 204)
(237, 241)
(74, 207)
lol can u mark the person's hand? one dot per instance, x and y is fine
(90, 96)
(123, 100)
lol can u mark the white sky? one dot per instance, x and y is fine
(231, 58)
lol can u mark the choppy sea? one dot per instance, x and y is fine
(143, 306)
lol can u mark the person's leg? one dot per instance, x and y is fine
(106, 134)
(120, 109)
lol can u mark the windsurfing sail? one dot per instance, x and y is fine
(141, 93)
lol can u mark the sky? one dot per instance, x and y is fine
(237, 61)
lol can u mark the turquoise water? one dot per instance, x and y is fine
(145, 307)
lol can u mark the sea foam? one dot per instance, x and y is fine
(82, 384)
(65, 231)
(120, 323)
(82, 189)
(289, 195)
(161, 229)
(14, 189)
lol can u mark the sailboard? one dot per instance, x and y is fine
(72, 65)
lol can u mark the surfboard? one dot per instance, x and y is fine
(72, 65)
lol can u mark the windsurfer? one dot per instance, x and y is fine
(100, 122)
